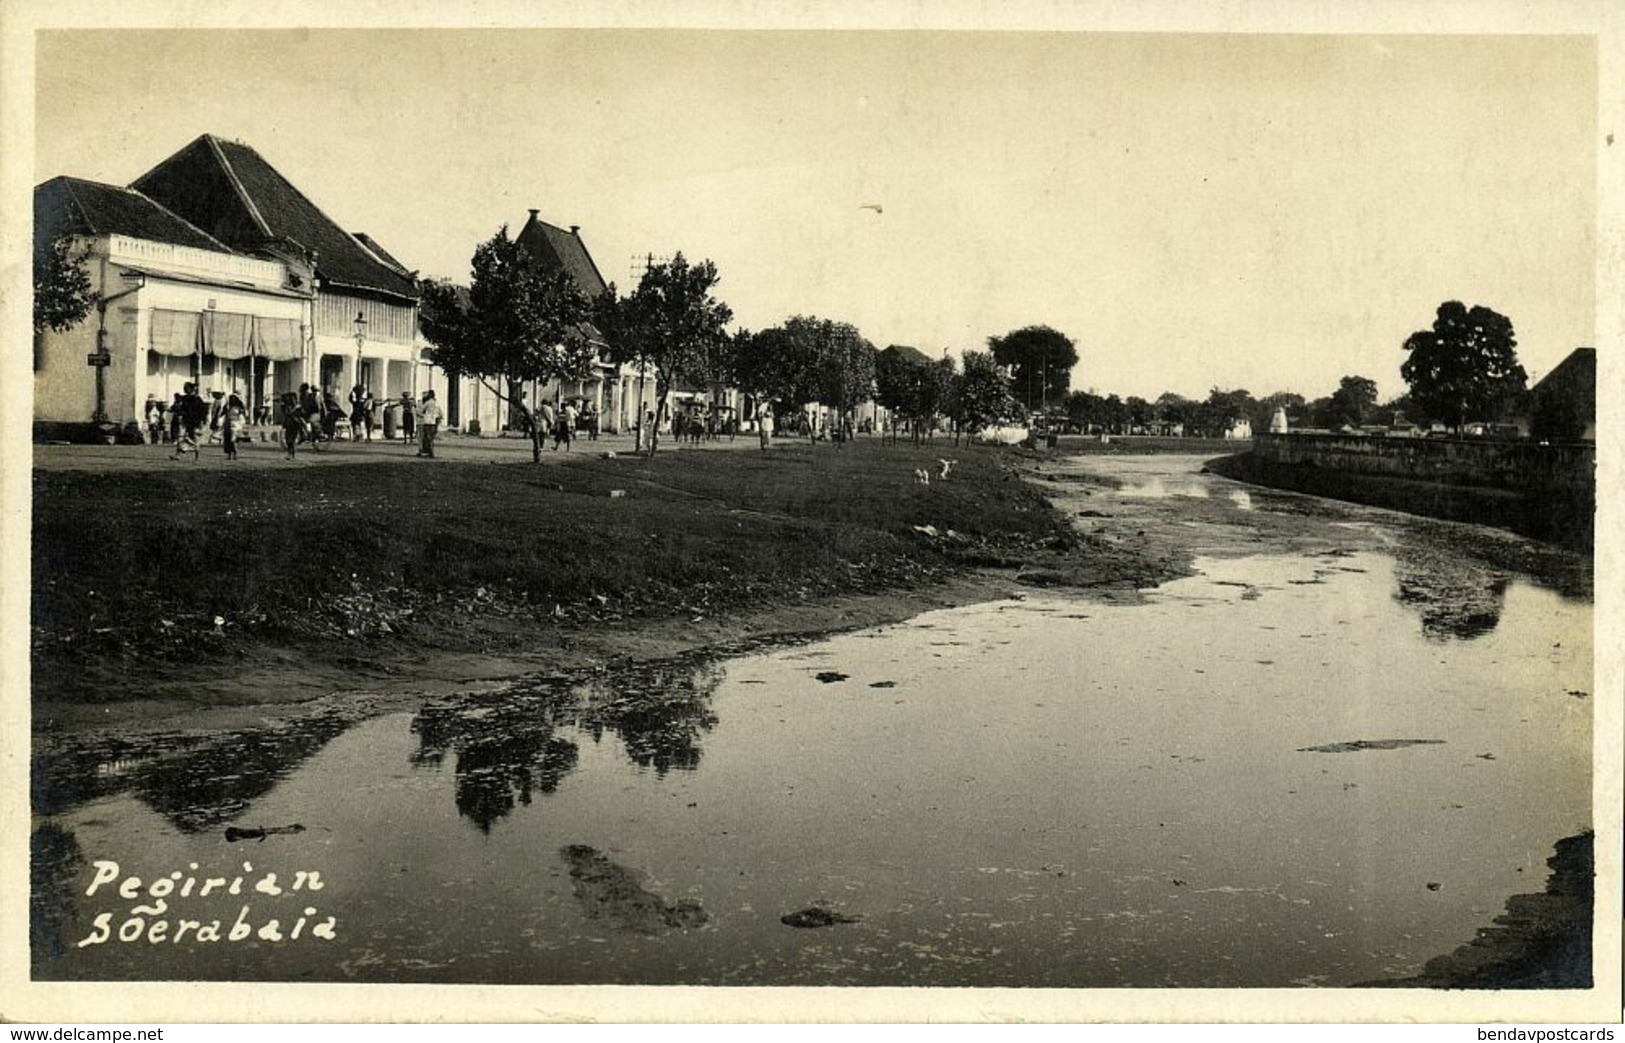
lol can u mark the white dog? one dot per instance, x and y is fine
(947, 465)
(922, 476)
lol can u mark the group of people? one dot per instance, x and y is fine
(562, 423)
(182, 422)
(314, 413)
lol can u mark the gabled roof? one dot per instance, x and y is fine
(906, 351)
(74, 206)
(383, 255)
(1575, 376)
(555, 248)
(228, 189)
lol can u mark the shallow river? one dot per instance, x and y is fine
(1284, 770)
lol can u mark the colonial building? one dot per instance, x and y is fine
(176, 305)
(364, 312)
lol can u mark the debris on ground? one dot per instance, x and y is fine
(817, 916)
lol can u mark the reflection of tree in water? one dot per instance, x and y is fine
(1455, 597)
(195, 783)
(54, 859)
(659, 712)
(507, 750)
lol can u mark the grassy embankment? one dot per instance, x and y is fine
(132, 571)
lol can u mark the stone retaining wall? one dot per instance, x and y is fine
(1502, 465)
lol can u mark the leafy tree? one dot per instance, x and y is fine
(1173, 410)
(520, 322)
(897, 379)
(913, 386)
(806, 359)
(62, 288)
(846, 372)
(1084, 409)
(776, 365)
(1040, 361)
(980, 395)
(1214, 416)
(1114, 414)
(1354, 400)
(673, 326)
(1465, 367)
(1139, 411)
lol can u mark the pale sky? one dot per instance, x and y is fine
(1261, 211)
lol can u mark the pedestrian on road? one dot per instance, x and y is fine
(217, 414)
(231, 424)
(428, 423)
(409, 411)
(564, 431)
(294, 424)
(547, 424)
(175, 419)
(194, 414)
(764, 425)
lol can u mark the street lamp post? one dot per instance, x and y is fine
(360, 341)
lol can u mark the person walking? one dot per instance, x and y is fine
(193, 413)
(294, 424)
(217, 414)
(546, 423)
(428, 424)
(562, 428)
(231, 424)
(764, 425)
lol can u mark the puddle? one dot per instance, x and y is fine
(1072, 795)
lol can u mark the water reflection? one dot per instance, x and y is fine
(508, 748)
(195, 783)
(54, 860)
(1455, 597)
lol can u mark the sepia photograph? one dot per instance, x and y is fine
(875, 515)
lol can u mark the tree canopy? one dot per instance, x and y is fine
(807, 359)
(1465, 367)
(915, 387)
(1040, 360)
(518, 321)
(980, 395)
(1352, 403)
(62, 289)
(673, 325)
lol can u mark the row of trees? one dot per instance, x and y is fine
(519, 322)
(1465, 368)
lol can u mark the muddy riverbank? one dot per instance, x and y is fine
(1562, 517)
(1211, 782)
